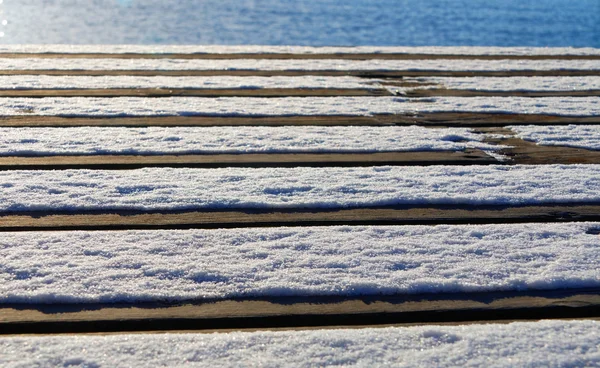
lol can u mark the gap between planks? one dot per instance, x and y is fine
(400, 215)
(298, 312)
(448, 119)
(340, 55)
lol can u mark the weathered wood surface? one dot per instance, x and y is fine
(400, 215)
(467, 157)
(341, 55)
(437, 119)
(294, 312)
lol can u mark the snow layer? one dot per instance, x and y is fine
(580, 136)
(246, 106)
(530, 344)
(291, 64)
(134, 266)
(505, 84)
(67, 82)
(200, 140)
(218, 49)
(242, 188)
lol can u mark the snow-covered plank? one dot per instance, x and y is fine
(306, 106)
(580, 136)
(158, 189)
(296, 65)
(511, 84)
(212, 140)
(150, 266)
(223, 82)
(545, 343)
(261, 49)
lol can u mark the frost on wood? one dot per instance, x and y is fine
(130, 266)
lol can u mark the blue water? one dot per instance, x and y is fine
(305, 22)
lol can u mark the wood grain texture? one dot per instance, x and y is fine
(467, 157)
(401, 215)
(299, 312)
(438, 119)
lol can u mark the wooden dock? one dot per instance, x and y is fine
(304, 312)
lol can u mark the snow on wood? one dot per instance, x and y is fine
(580, 136)
(288, 106)
(134, 266)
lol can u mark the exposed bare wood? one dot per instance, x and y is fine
(299, 312)
(300, 217)
(330, 73)
(342, 55)
(467, 157)
(480, 93)
(426, 119)
(195, 92)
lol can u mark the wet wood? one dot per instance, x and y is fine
(195, 92)
(340, 55)
(324, 73)
(400, 215)
(294, 312)
(457, 119)
(122, 162)
(441, 92)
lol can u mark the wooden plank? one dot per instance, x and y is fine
(447, 119)
(529, 153)
(467, 157)
(442, 92)
(401, 215)
(195, 92)
(289, 312)
(341, 55)
(324, 73)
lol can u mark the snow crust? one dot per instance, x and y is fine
(505, 83)
(250, 106)
(332, 187)
(579, 136)
(225, 49)
(293, 64)
(69, 82)
(202, 140)
(134, 266)
(524, 344)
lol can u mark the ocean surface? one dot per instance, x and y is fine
(303, 22)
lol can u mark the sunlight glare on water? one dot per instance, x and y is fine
(304, 22)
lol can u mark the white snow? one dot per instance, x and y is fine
(249, 106)
(291, 64)
(134, 266)
(68, 82)
(580, 136)
(524, 344)
(242, 188)
(224, 49)
(227, 139)
(504, 83)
